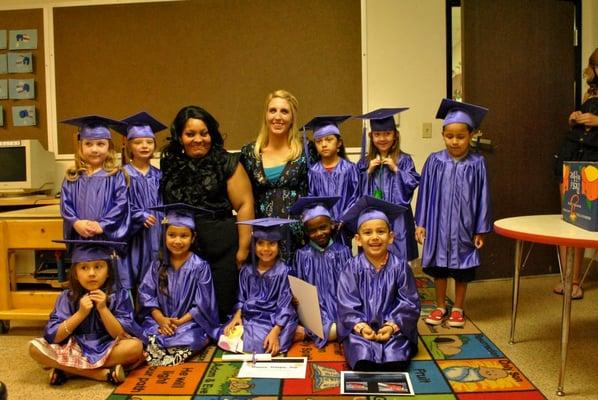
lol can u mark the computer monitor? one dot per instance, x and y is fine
(25, 168)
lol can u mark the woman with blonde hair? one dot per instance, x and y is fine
(276, 163)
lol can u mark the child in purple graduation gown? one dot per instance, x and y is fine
(320, 261)
(378, 303)
(144, 183)
(453, 209)
(93, 199)
(176, 296)
(89, 330)
(389, 174)
(264, 306)
(333, 174)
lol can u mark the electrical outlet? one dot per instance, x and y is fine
(427, 130)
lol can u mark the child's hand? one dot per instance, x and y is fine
(295, 301)
(85, 305)
(231, 325)
(367, 332)
(375, 163)
(150, 221)
(390, 163)
(573, 117)
(271, 342)
(167, 326)
(84, 228)
(478, 241)
(95, 227)
(99, 298)
(384, 333)
(420, 234)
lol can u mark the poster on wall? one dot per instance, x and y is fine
(3, 89)
(2, 38)
(20, 62)
(3, 64)
(23, 116)
(20, 89)
(22, 39)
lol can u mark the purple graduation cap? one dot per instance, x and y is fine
(310, 207)
(325, 125)
(368, 208)
(456, 112)
(92, 249)
(180, 214)
(267, 228)
(140, 125)
(94, 127)
(382, 119)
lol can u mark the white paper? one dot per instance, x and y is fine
(278, 368)
(309, 305)
(247, 357)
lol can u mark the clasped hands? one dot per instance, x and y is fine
(168, 325)
(378, 161)
(381, 335)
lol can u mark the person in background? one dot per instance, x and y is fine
(320, 261)
(580, 145)
(277, 165)
(144, 184)
(90, 331)
(197, 170)
(453, 209)
(389, 174)
(378, 302)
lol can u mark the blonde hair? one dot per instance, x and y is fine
(126, 156)
(590, 74)
(294, 138)
(81, 166)
(393, 152)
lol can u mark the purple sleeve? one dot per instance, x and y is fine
(350, 305)
(484, 214)
(406, 310)
(205, 310)
(284, 310)
(63, 309)
(115, 222)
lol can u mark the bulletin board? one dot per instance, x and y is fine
(32, 19)
(224, 55)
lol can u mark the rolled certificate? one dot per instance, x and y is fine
(247, 357)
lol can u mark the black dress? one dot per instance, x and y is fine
(202, 182)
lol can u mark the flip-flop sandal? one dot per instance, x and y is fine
(576, 292)
(116, 375)
(57, 377)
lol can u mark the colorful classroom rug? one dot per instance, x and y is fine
(452, 363)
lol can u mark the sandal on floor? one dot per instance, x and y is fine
(116, 375)
(558, 289)
(456, 319)
(57, 377)
(436, 316)
(576, 291)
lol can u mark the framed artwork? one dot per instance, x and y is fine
(20, 62)
(22, 39)
(21, 89)
(23, 116)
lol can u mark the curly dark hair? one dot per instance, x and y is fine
(175, 145)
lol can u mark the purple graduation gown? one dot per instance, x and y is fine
(389, 295)
(265, 301)
(396, 188)
(342, 181)
(453, 205)
(100, 198)
(190, 289)
(144, 243)
(91, 334)
(322, 268)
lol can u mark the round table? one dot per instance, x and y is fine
(553, 230)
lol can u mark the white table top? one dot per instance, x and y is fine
(43, 212)
(547, 229)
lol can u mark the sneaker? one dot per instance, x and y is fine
(456, 319)
(436, 316)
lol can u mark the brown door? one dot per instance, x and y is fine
(519, 61)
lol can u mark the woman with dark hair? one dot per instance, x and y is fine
(197, 170)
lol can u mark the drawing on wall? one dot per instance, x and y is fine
(23, 39)
(3, 64)
(21, 88)
(1, 116)
(23, 116)
(2, 38)
(20, 62)
(3, 89)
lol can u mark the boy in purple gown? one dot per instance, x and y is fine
(144, 184)
(264, 306)
(93, 199)
(388, 173)
(453, 209)
(176, 296)
(320, 261)
(378, 303)
(333, 174)
(90, 331)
